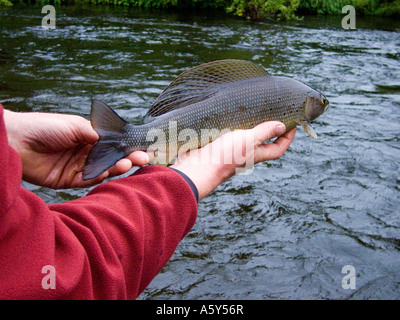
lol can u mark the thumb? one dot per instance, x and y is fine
(83, 130)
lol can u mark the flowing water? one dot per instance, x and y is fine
(287, 230)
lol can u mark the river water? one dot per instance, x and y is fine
(287, 230)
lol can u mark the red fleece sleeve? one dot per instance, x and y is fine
(107, 245)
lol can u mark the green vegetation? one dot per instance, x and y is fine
(258, 9)
(251, 9)
(5, 3)
(364, 7)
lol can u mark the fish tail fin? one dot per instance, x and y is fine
(109, 148)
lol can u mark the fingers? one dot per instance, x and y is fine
(89, 134)
(139, 158)
(136, 158)
(79, 183)
(81, 128)
(268, 130)
(121, 167)
(275, 149)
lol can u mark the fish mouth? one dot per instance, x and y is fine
(327, 106)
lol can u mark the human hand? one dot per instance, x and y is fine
(231, 153)
(53, 149)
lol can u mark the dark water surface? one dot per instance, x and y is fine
(286, 230)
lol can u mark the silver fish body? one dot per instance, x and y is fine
(197, 101)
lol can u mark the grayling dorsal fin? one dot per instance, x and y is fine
(201, 82)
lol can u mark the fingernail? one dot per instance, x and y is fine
(280, 129)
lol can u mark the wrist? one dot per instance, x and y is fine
(11, 122)
(189, 182)
(206, 177)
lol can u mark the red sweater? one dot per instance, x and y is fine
(108, 244)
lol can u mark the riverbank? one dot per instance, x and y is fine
(249, 9)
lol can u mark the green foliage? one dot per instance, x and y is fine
(133, 3)
(324, 6)
(159, 3)
(5, 3)
(251, 9)
(389, 8)
(365, 7)
(258, 9)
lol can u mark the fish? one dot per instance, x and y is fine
(220, 96)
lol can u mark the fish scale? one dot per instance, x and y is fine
(220, 96)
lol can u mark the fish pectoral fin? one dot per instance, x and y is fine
(307, 128)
